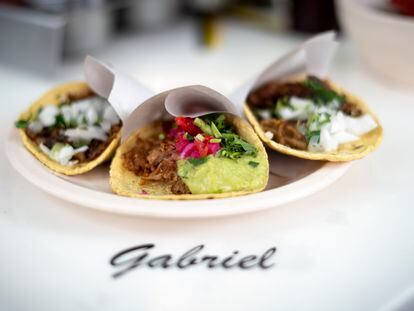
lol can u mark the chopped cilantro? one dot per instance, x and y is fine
(253, 163)
(98, 121)
(219, 122)
(60, 121)
(321, 95)
(64, 103)
(79, 143)
(21, 124)
(282, 103)
(232, 145)
(73, 123)
(310, 134)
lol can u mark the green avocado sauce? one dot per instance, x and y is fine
(220, 174)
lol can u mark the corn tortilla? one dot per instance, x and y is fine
(345, 152)
(53, 97)
(126, 183)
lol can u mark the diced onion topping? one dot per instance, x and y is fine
(47, 115)
(86, 134)
(269, 134)
(62, 153)
(80, 121)
(94, 111)
(341, 129)
(326, 127)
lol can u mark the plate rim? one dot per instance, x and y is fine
(58, 187)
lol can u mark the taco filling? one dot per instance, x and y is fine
(196, 156)
(76, 131)
(308, 115)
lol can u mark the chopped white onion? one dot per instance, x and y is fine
(361, 125)
(110, 115)
(300, 104)
(299, 109)
(45, 149)
(337, 123)
(106, 126)
(62, 153)
(344, 137)
(67, 113)
(269, 134)
(264, 113)
(86, 134)
(81, 149)
(289, 114)
(328, 142)
(333, 126)
(48, 115)
(340, 130)
(86, 114)
(35, 127)
(91, 115)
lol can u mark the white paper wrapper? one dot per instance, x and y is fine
(137, 106)
(312, 57)
(188, 101)
(123, 92)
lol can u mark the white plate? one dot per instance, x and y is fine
(290, 179)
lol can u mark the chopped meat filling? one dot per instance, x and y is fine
(351, 109)
(155, 160)
(267, 95)
(285, 133)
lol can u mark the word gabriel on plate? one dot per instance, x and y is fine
(140, 256)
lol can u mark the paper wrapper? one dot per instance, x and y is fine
(312, 57)
(123, 92)
(137, 106)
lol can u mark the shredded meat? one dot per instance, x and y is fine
(155, 160)
(267, 95)
(96, 147)
(48, 136)
(285, 133)
(351, 109)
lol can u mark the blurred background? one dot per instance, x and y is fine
(48, 39)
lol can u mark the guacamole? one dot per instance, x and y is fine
(219, 174)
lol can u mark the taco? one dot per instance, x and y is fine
(313, 119)
(70, 129)
(213, 156)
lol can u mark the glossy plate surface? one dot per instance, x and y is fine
(290, 179)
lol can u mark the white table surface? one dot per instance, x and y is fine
(348, 247)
